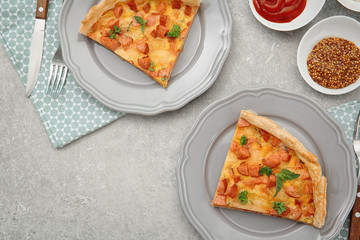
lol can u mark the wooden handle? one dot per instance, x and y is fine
(354, 233)
(42, 9)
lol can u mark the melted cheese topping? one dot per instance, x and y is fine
(260, 195)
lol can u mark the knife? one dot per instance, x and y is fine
(354, 233)
(37, 43)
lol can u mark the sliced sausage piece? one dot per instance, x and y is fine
(308, 188)
(176, 4)
(132, 5)
(284, 155)
(161, 8)
(143, 47)
(153, 33)
(219, 200)
(126, 42)
(187, 10)
(292, 191)
(144, 62)
(164, 72)
(231, 191)
(243, 123)
(243, 153)
(250, 182)
(275, 141)
(147, 7)
(222, 186)
(243, 169)
(254, 170)
(265, 135)
(272, 161)
(109, 43)
(240, 151)
(161, 31)
(272, 181)
(261, 180)
(152, 20)
(118, 10)
(237, 178)
(309, 211)
(164, 19)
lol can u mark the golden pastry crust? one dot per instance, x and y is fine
(309, 159)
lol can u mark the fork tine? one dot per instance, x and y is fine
(50, 77)
(55, 79)
(356, 130)
(61, 68)
(63, 80)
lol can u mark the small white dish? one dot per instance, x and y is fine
(312, 8)
(351, 4)
(336, 26)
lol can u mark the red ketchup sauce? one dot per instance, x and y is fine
(279, 11)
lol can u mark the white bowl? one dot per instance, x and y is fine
(337, 26)
(312, 8)
(351, 4)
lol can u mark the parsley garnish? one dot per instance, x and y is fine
(163, 78)
(141, 21)
(175, 31)
(243, 140)
(243, 197)
(283, 176)
(265, 170)
(279, 207)
(114, 32)
(152, 65)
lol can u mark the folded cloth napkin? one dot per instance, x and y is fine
(346, 115)
(74, 113)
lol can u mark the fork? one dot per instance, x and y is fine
(58, 73)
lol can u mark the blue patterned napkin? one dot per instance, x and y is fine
(75, 113)
(346, 115)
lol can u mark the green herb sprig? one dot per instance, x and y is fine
(243, 140)
(279, 207)
(283, 176)
(265, 170)
(141, 21)
(175, 31)
(243, 197)
(152, 65)
(114, 32)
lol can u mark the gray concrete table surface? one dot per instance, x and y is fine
(120, 182)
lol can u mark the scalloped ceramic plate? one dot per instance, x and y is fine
(120, 86)
(204, 149)
(312, 9)
(336, 26)
(351, 4)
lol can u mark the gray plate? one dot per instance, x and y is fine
(204, 150)
(122, 87)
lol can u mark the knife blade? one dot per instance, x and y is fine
(36, 47)
(354, 231)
